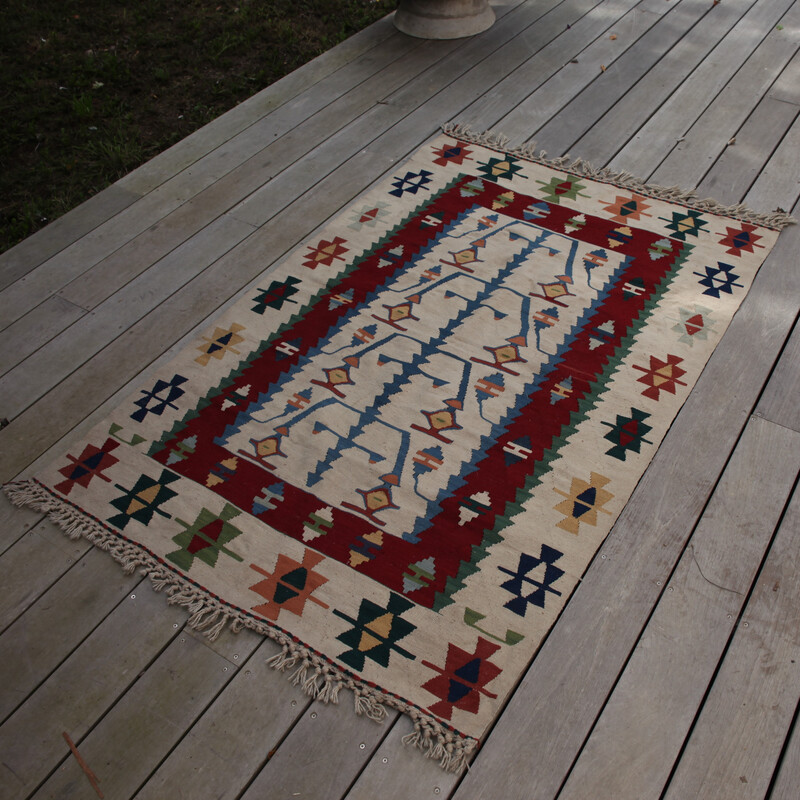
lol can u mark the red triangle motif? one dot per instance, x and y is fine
(694, 324)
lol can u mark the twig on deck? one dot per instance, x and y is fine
(83, 765)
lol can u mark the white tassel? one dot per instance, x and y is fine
(413, 739)
(776, 219)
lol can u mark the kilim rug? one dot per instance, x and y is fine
(397, 455)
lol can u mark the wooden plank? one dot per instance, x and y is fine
(61, 356)
(352, 82)
(739, 165)
(33, 646)
(37, 327)
(396, 767)
(228, 745)
(654, 704)
(779, 403)
(128, 743)
(647, 148)
(737, 740)
(32, 565)
(351, 155)
(779, 179)
(543, 99)
(580, 114)
(39, 284)
(198, 144)
(72, 262)
(235, 647)
(322, 754)
(67, 229)
(82, 689)
(95, 285)
(14, 522)
(532, 748)
(608, 135)
(702, 144)
(788, 775)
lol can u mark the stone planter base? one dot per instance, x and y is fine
(443, 19)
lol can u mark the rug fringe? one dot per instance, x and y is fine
(776, 220)
(315, 675)
(452, 752)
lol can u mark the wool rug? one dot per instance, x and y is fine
(397, 455)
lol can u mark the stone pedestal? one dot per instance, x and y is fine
(443, 19)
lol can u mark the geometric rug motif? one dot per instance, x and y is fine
(399, 451)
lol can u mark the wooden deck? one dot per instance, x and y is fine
(673, 672)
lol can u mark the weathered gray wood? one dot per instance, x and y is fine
(35, 562)
(128, 743)
(788, 777)
(578, 116)
(542, 99)
(779, 401)
(77, 259)
(33, 646)
(735, 744)
(738, 166)
(657, 697)
(647, 148)
(322, 754)
(339, 89)
(235, 647)
(609, 134)
(395, 767)
(282, 92)
(358, 150)
(65, 353)
(532, 748)
(95, 285)
(35, 329)
(26, 293)
(14, 522)
(227, 746)
(717, 125)
(82, 689)
(27, 255)
(779, 180)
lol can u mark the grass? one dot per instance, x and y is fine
(90, 89)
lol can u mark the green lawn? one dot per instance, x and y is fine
(90, 89)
